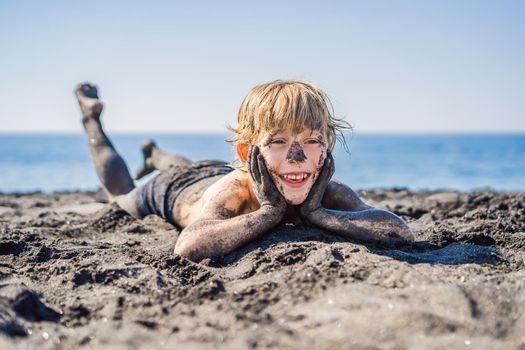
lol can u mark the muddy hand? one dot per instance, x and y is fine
(265, 190)
(313, 201)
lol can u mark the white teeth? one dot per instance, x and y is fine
(295, 177)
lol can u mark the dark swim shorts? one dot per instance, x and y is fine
(158, 196)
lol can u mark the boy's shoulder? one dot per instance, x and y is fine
(229, 194)
(232, 183)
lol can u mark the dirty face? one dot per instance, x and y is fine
(294, 160)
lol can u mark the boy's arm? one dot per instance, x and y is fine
(222, 228)
(339, 196)
(208, 238)
(347, 214)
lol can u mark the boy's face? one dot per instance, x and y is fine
(294, 160)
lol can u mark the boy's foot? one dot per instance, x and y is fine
(87, 96)
(147, 148)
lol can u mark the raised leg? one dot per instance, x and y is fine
(155, 159)
(109, 165)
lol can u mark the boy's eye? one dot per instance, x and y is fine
(312, 141)
(278, 141)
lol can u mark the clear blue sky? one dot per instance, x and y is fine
(388, 66)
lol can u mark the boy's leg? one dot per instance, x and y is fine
(155, 159)
(109, 165)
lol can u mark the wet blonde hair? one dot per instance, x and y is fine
(282, 104)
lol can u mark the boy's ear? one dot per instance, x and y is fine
(242, 152)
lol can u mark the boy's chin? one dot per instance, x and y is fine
(294, 201)
(295, 197)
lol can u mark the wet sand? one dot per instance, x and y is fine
(76, 272)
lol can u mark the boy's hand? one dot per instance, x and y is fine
(267, 194)
(313, 202)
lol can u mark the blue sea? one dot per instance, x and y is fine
(58, 162)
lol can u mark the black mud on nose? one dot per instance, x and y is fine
(295, 153)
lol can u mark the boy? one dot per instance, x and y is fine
(283, 141)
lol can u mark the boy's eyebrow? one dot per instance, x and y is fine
(276, 131)
(317, 133)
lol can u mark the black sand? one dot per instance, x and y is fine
(77, 273)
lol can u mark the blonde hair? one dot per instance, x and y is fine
(282, 104)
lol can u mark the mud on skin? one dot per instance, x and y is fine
(70, 279)
(295, 153)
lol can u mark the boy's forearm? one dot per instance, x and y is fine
(365, 225)
(210, 238)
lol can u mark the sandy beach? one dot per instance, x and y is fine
(76, 272)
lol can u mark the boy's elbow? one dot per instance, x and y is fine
(405, 234)
(399, 233)
(409, 236)
(403, 231)
(187, 250)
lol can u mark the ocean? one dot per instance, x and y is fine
(61, 162)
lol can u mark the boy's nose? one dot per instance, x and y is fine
(295, 153)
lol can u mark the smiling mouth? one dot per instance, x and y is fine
(295, 179)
